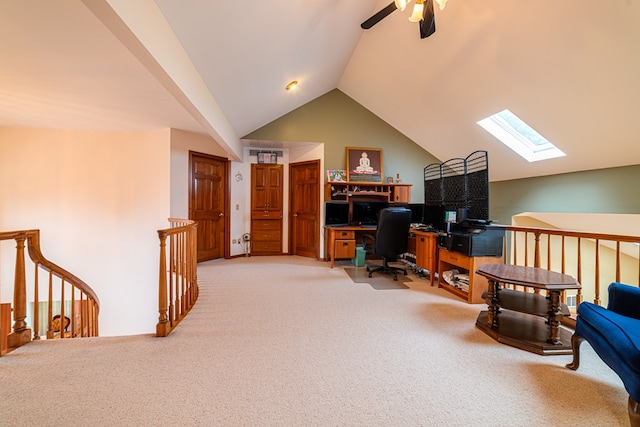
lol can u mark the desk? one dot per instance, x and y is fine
(341, 244)
(341, 241)
(529, 321)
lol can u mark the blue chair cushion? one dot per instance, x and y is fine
(616, 339)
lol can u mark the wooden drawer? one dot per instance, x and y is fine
(258, 247)
(267, 224)
(345, 235)
(457, 259)
(345, 249)
(266, 235)
(266, 214)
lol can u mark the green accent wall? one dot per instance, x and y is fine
(338, 121)
(613, 190)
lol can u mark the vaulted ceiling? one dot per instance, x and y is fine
(569, 68)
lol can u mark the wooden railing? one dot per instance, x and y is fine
(178, 280)
(594, 259)
(63, 306)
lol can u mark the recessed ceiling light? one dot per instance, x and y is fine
(292, 85)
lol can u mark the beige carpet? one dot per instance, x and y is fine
(287, 341)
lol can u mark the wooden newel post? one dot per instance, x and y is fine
(163, 318)
(20, 335)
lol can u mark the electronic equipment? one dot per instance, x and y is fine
(417, 212)
(474, 238)
(366, 213)
(433, 216)
(336, 213)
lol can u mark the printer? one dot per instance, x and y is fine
(474, 237)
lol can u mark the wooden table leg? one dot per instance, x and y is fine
(555, 316)
(492, 293)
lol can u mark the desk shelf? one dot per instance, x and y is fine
(345, 191)
(449, 260)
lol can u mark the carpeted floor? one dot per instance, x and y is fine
(287, 341)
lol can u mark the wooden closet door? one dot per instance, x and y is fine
(266, 209)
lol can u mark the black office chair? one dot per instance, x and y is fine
(391, 240)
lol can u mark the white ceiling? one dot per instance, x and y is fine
(569, 68)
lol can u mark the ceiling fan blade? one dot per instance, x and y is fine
(378, 16)
(428, 21)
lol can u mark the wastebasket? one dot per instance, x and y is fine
(358, 261)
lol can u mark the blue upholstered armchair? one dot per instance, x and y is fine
(614, 334)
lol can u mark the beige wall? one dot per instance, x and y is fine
(338, 121)
(98, 199)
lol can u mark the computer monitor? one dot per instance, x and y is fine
(417, 212)
(336, 213)
(434, 217)
(366, 213)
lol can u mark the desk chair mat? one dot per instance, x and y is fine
(378, 281)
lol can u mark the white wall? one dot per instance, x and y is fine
(181, 143)
(98, 199)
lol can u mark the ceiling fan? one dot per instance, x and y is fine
(422, 13)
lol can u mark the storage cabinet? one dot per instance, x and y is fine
(341, 244)
(466, 265)
(344, 191)
(266, 209)
(426, 251)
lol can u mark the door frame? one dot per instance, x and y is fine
(226, 250)
(318, 210)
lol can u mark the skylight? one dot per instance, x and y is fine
(520, 137)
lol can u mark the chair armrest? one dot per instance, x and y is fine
(624, 299)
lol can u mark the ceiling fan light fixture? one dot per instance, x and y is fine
(418, 9)
(401, 4)
(441, 3)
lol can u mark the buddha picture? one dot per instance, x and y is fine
(364, 164)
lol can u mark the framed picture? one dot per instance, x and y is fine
(364, 164)
(336, 175)
(389, 180)
(270, 158)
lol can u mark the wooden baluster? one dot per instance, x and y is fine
(50, 307)
(548, 251)
(36, 305)
(617, 261)
(163, 321)
(526, 249)
(20, 335)
(536, 252)
(73, 311)
(62, 310)
(563, 256)
(579, 261)
(172, 296)
(597, 273)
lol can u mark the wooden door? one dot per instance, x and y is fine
(304, 200)
(267, 186)
(207, 203)
(266, 209)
